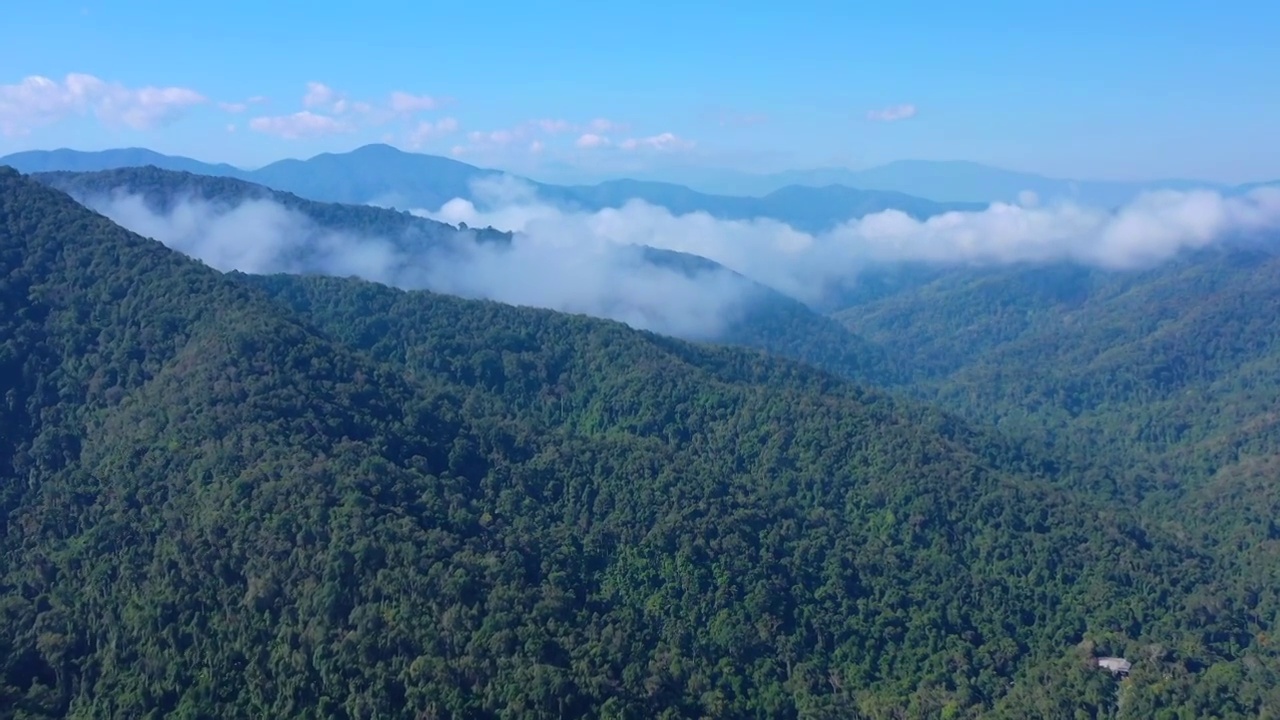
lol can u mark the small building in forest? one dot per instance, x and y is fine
(1117, 665)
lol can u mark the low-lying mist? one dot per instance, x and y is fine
(1153, 228)
(592, 262)
(593, 276)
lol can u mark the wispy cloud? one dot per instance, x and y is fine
(37, 101)
(537, 135)
(304, 124)
(500, 137)
(892, 113)
(604, 125)
(328, 111)
(588, 141)
(663, 142)
(553, 126)
(406, 103)
(427, 130)
(321, 96)
(235, 108)
(321, 110)
(591, 136)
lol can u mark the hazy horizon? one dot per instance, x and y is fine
(703, 178)
(677, 174)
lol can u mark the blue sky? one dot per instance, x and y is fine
(1121, 89)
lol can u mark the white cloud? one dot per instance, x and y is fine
(37, 101)
(405, 103)
(304, 124)
(553, 127)
(536, 147)
(233, 107)
(591, 140)
(322, 96)
(892, 113)
(663, 142)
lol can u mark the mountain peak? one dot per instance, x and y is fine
(380, 150)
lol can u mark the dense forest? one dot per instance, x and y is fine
(227, 495)
(1169, 373)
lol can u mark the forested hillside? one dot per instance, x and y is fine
(1175, 365)
(1167, 376)
(162, 190)
(284, 497)
(1232, 518)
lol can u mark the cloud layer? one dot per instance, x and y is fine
(1152, 229)
(590, 262)
(593, 276)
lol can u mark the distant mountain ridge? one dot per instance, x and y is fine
(948, 181)
(813, 201)
(162, 188)
(378, 174)
(64, 159)
(963, 181)
(383, 175)
(812, 209)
